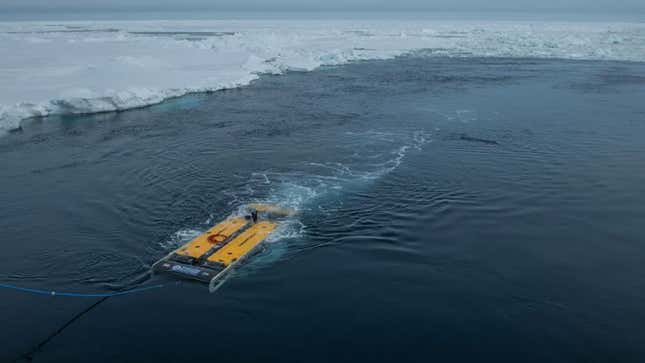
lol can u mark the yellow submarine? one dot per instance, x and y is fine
(210, 256)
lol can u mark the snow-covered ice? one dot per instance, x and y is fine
(83, 67)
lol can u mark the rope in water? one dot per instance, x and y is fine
(78, 294)
(29, 356)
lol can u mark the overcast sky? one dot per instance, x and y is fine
(305, 5)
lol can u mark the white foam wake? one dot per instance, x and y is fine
(305, 188)
(86, 67)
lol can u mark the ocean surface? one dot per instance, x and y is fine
(449, 209)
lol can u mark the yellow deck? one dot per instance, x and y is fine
(201, 244)
(243, 243)
(273, 209)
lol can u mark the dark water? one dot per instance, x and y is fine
(449, 210)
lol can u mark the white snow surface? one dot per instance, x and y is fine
(85, 67)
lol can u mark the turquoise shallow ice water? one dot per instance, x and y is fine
(449, 210)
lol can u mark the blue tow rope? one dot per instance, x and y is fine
(103, 297)
(78, 294)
